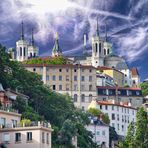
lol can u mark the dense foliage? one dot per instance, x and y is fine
(144, 87)
(98, 113)
(44, 104)
(60, 60)
(137, 135)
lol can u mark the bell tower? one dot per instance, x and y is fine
(107, 45)
(97, 49)
(22, 46)
(33, 50)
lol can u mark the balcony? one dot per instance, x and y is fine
(8, 109)
(23, 125)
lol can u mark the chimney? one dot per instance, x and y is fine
(129, 104)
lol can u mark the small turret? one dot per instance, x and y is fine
(85, 42)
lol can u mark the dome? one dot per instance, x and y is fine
(116, 62)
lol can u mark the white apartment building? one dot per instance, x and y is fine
(100, 131)
(120, 114)
(15, 135)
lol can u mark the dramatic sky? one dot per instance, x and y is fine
(127, 25)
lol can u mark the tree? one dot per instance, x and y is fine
(141, 128)
(44, 104)
(144, 87)
(98, 113)
(137, 135)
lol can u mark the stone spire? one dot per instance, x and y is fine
(105, 32)
(22, 31)
(56, 51)
(32, 38)
(97, 30)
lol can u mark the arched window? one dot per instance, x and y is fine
(24, 51)
(34, 55)
(107, 51)
(75, 97)
(104, 51)
(30, 55)
(90, 98)
(20, 51)
(99, 47)
(96, 47)
(82, 98)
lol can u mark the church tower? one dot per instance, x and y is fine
(33, 51)
(107, 45)
(97, 49)
(56, 51)
(22, 47)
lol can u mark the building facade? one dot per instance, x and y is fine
(76, 80)
(120, 94)
(120, 114)
(100, 131)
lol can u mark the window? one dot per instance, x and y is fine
(30, 54)
(6, 137)
(24, 51)
(29, 136)
(54, 78)
(100, 106)
(75, 87)
(106, 107)
(34, 69)
(90, 87)
(17, 137)
(112, 107)
(43, 137)
(3, 121)
(14, 122)
(67, 77)
(98, 132)
(60, 78)
(122, 118)
(104, 99)
(75, 70)
(103, 133)
(47, 138)
(60, 70)
(90, 70)
(90, 78)
(90, 98)
(83, 108)
(118, 126)
(137, 93)
(117, 108)
(82, 87)
(75, 78)
(60, 87)
(67, 86)
(34, 55)
(96, 46)
(122, 127)
(75, 98)
(20, 51)
(82, 98)
(82, 70)
(82, 78)
(113, 124)
(47, 77)
(54, 87)
(107, 51)
(67, 70)
(113, 116)
(118, 117)
(104, 51)
(99, 47)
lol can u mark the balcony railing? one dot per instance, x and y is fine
(23, 125)
(8, 109)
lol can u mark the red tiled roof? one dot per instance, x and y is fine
(135, 72)
(124, 104)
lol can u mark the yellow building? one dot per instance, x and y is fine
(115, 74)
